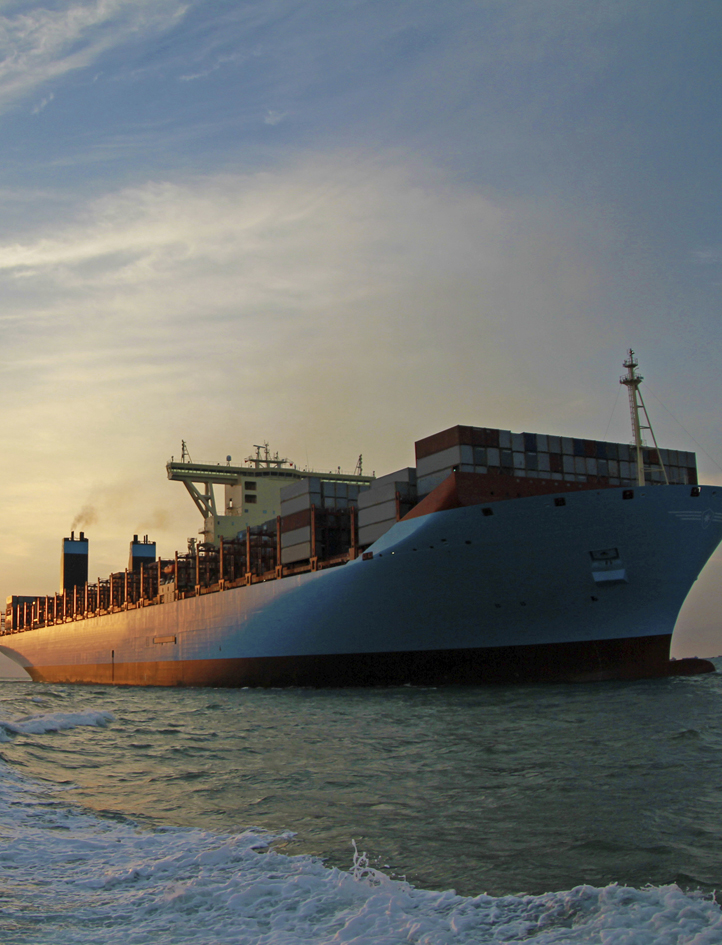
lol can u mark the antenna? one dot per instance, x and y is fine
(263, 458)
(631, 381)
(359, 470)
(185, 455)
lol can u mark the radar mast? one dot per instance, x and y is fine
(631, 381)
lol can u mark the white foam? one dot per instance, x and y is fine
(52, 722)
(73, 877)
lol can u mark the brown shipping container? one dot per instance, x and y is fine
(456, 436)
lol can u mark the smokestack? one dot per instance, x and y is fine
(74, 562)
(141, 552)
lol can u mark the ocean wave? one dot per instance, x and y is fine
(76, 875)
(52, 722)
(72, 876)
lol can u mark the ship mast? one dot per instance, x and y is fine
(631, 381)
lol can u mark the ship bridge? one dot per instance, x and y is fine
(252, 492)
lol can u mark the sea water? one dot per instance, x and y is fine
(545, 814)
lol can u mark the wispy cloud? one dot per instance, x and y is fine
(300, 305)
(334, 256)
(43, 103)
(707, 255)
(39, 44)
(274, 117)
(219, 63)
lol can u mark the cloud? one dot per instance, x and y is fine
(43, 104)
(308, 300)
(273, 117)
(349, 303)
(39, 44)
(219, 63)
(707, 256)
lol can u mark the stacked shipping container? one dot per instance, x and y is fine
(385, 502)
(316, 519)
(540, 456)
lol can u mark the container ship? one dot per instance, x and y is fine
(500, 557)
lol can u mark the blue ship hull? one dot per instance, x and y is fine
(584, 586)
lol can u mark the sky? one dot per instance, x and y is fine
(340, 227)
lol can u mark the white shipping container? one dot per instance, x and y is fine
(543, 462)
(519, 461)
(444, 459)
(591, 466)
(427, 484)
(568, 464)
(492, 456)
(580, 465)
(295, 536)
(377, 513)
(505, 439)
(407, 474)
(567, 446)
(372, 533)
(300, 503)
(386, 492)
(303, 487)
(294, 553)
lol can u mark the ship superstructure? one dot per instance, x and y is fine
(252, 492)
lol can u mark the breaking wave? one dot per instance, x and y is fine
(72, 876)
(51, 722)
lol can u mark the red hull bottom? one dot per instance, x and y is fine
(632, 658)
